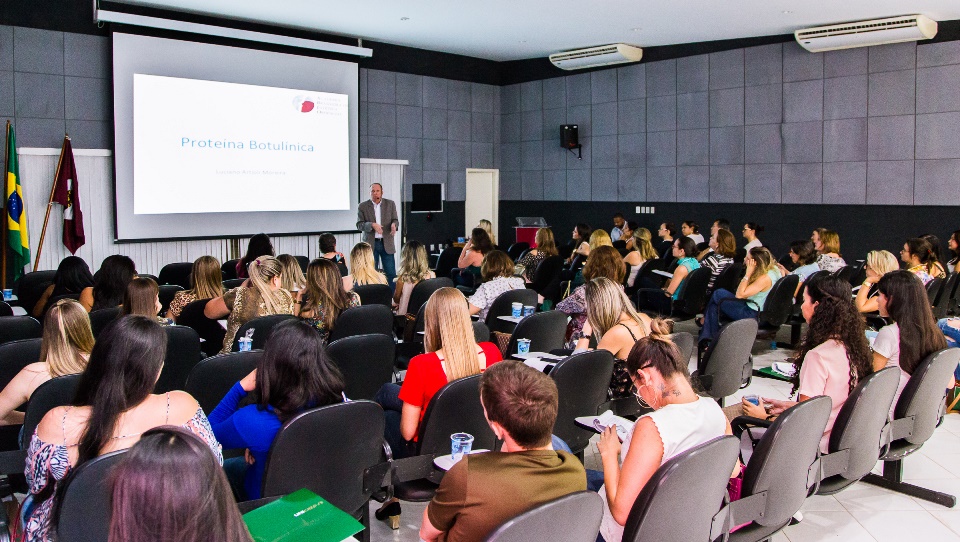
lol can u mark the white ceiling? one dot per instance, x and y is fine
(516, 29)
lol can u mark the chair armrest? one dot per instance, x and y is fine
(744, 510)
(12, 462)
(249, 506)
(412, 468)
(740, 423)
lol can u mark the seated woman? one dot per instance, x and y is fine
(605, 262)
(293, 375)
(451, 353)
(324, 299)
(487, 226)
(580, 241)
(641, 251)
(112, 408)
(259, 245)
(661, 300)
(750, 231)
(599, 238)
(617, 326)
(261, 295)
(328, 251)
(827, 244)
(954, 245)
(833, 355)
(667, 232)
(109, 283)
(690, 229)
(918, 254)
(913, 335)
(292, 279)
(878, 264)
(680, 420)
(626, 235)
(546, 246)
(723, 247)
(72, 278)
(414, 268)
(471, 257)
(206, 282)
(804, 257)
(760, 276)
(934, 241)
(64, 349)
(497, 271)
(198, 507)
(364, 267)
(143, 298)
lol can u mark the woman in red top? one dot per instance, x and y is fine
(451, 353)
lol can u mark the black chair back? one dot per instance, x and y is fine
(845, 273)
(375, 294)
(481, 333)
(149, 276)
(727, 365)
(546, 331)
(100, 319)
(362, 320)
(366, 362)
(84, 511)
(781, 465)
(166, 293)
(211, 378)
(16, 328)
(582, 382)
(686, 343)
(209, 330)
(546, 278)
(779, 302)
(857, 429)
(922, 399)
(52, 301)
(702, 471)
(48, 396)
(229, 269)
(503, 306)
(447, 260)
(5, 309)
(573, 518)
(15, 355)
(229, 284)
(729, 277)
(326, 450)
(303, 262)
(176, 273)
(517, 249)
(424, 289)
(30, 287)
(933, 290)
(455, 409)
(942, 303)
(262, 326)
(183, 353)
(693, 294)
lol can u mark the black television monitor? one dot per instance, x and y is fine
(427, 198)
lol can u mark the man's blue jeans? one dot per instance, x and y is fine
(384, 261)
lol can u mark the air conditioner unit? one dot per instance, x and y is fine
(865, 33)
(592, 57)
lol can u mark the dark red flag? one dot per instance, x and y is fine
(67, 193)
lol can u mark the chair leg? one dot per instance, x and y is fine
(794, 337)
(365, 520)
(892, 479)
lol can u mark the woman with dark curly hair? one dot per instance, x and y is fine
(833, 355)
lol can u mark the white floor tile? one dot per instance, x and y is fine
(950, 518)
(898, 526)
(817, 526)
(822, 503)
(865, 497)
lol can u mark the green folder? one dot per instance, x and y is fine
(301, 515)
(767, 372)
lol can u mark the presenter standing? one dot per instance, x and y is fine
(377, 219)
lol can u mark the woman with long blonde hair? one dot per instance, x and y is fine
(599, 238)
(260, 295)
(414, 267)
(546, 247)
(292, 276)
(323, 299)
(206, 281)
(487, 226)
(451, 353)
(878, 264)
(643, 251)
(363, 267)
(64, 349)
(761, 274)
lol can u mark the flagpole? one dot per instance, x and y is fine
(53, 190)
(6, 212)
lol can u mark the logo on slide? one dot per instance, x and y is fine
(304, 104)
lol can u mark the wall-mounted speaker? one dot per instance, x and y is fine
(569, 136)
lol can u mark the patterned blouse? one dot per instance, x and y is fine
(830, 263)
(574, 306)
(245, 304)
(318, 320)
(180, 300)
(530, 262)
(48, 463)
(490, 290)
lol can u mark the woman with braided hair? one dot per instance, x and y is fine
(833, 355)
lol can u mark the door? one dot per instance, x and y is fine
(483, 200)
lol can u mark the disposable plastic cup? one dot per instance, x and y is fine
(517, 309)
(523, 346)
(460, 443)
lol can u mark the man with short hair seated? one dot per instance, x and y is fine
(484, 490)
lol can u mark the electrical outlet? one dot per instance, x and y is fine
(640, 210)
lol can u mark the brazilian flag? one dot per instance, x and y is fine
(16, 214)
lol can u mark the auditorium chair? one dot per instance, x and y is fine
(29, 288)
(211, 378)
(15, 328)
(52, 301)
(5, 309)
(229, 269)
(447, 260)
(362, 320)
(691, 298)
(546, 331)
(366, 362)
(101, 318)
(727, 365)
(517, 249)
(262, 326)
(423, 290)
(183, 353)
(582, 382)
(14, 356)
(209, 330)
(176, 273)
(229, 284)
(571, 518)
(303, 262)
(796, 319)
(375, 294)
(729, 277)
(503, 306)
(547, 277)
(84, 510)
(165, 294)
(776, 308)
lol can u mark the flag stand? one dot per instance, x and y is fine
(6, 179)
(53, 189)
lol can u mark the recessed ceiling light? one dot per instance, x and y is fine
(636, 29)
(404, 18)
(523, 41)
(787, 12)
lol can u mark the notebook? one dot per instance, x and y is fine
(301, 515)
(602, 421)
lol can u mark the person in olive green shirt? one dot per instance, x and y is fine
(483, 491)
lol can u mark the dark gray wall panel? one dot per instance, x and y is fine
(937, 182)
(845, 183)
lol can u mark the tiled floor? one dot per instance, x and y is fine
(861, 513)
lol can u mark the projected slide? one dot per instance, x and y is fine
(208, 147)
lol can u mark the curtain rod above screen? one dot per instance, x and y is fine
(211, 30)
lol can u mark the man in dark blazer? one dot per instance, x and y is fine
(377, 219)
